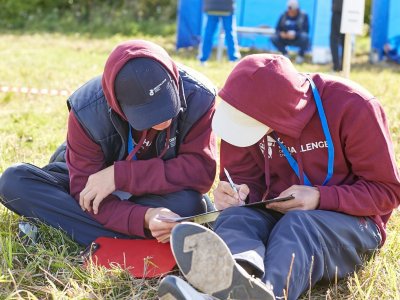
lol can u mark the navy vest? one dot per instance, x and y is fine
(301, 18)
(106, 128)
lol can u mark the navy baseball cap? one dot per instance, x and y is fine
(147, 93)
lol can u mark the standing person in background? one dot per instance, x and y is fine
(141, 132)
(217, 10)
(292, 30)
(337, 38)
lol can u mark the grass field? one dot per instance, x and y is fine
(32, 126)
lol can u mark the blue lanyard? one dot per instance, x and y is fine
(131, 145)
(331, 152)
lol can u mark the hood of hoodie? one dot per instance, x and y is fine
(121, 55)
(269, 89)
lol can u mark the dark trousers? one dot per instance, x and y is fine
(43, 194)
(320, 241)
(229, 24)
(336, 42)
(301, 41)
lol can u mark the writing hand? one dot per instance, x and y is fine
(225, 196)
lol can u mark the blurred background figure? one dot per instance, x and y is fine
(292, 30)
(391, 49)
(336, 38)
(219, 10)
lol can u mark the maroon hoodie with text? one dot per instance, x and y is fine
(365, 179)
(194, 167)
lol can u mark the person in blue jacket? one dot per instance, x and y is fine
(292, 30)
(391, 49)
(216, 11)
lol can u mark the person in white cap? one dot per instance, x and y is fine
(324, 141)
(292, 30)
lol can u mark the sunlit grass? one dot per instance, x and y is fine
(32, 126)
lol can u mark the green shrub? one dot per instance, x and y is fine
(95, 17)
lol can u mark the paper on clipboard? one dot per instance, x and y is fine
(212, 215)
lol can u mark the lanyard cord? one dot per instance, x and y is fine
(331, 152)
(132, 149)
(292, 162)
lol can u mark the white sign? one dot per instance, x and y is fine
(352, 16)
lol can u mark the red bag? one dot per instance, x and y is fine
(141, 258)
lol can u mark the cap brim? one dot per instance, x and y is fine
(235, 127)
(163, 106)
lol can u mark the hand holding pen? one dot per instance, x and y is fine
(228, 194)
(230, 181)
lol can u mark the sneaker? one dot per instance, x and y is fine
(299, 60)
(175, 288)
(208, 265)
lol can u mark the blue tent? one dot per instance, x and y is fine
(189, 23)
(258, 13)
(384, 23)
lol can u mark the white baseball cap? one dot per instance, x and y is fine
(235, 127)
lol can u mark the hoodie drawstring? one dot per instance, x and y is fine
(266, 172)
(133, 149)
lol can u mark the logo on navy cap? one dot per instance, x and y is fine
(157, 88)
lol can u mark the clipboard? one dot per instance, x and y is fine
(213, 215)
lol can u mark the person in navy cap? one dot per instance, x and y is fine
(141, 132)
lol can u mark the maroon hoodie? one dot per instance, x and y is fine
(365, 181)
(194, 167)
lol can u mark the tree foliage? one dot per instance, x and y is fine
(94, 15)
(22, 14)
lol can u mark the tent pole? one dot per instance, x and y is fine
(347, 55)
(221, 38)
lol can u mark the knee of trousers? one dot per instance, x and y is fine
(237, 211)
(184, 203)
(10, 183)
(297, 224)
(274, 39)
(238, 215)
(298, 230)
(303, 37)
(189, 202)
(295, 218)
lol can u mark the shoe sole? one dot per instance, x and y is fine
(206, 262)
